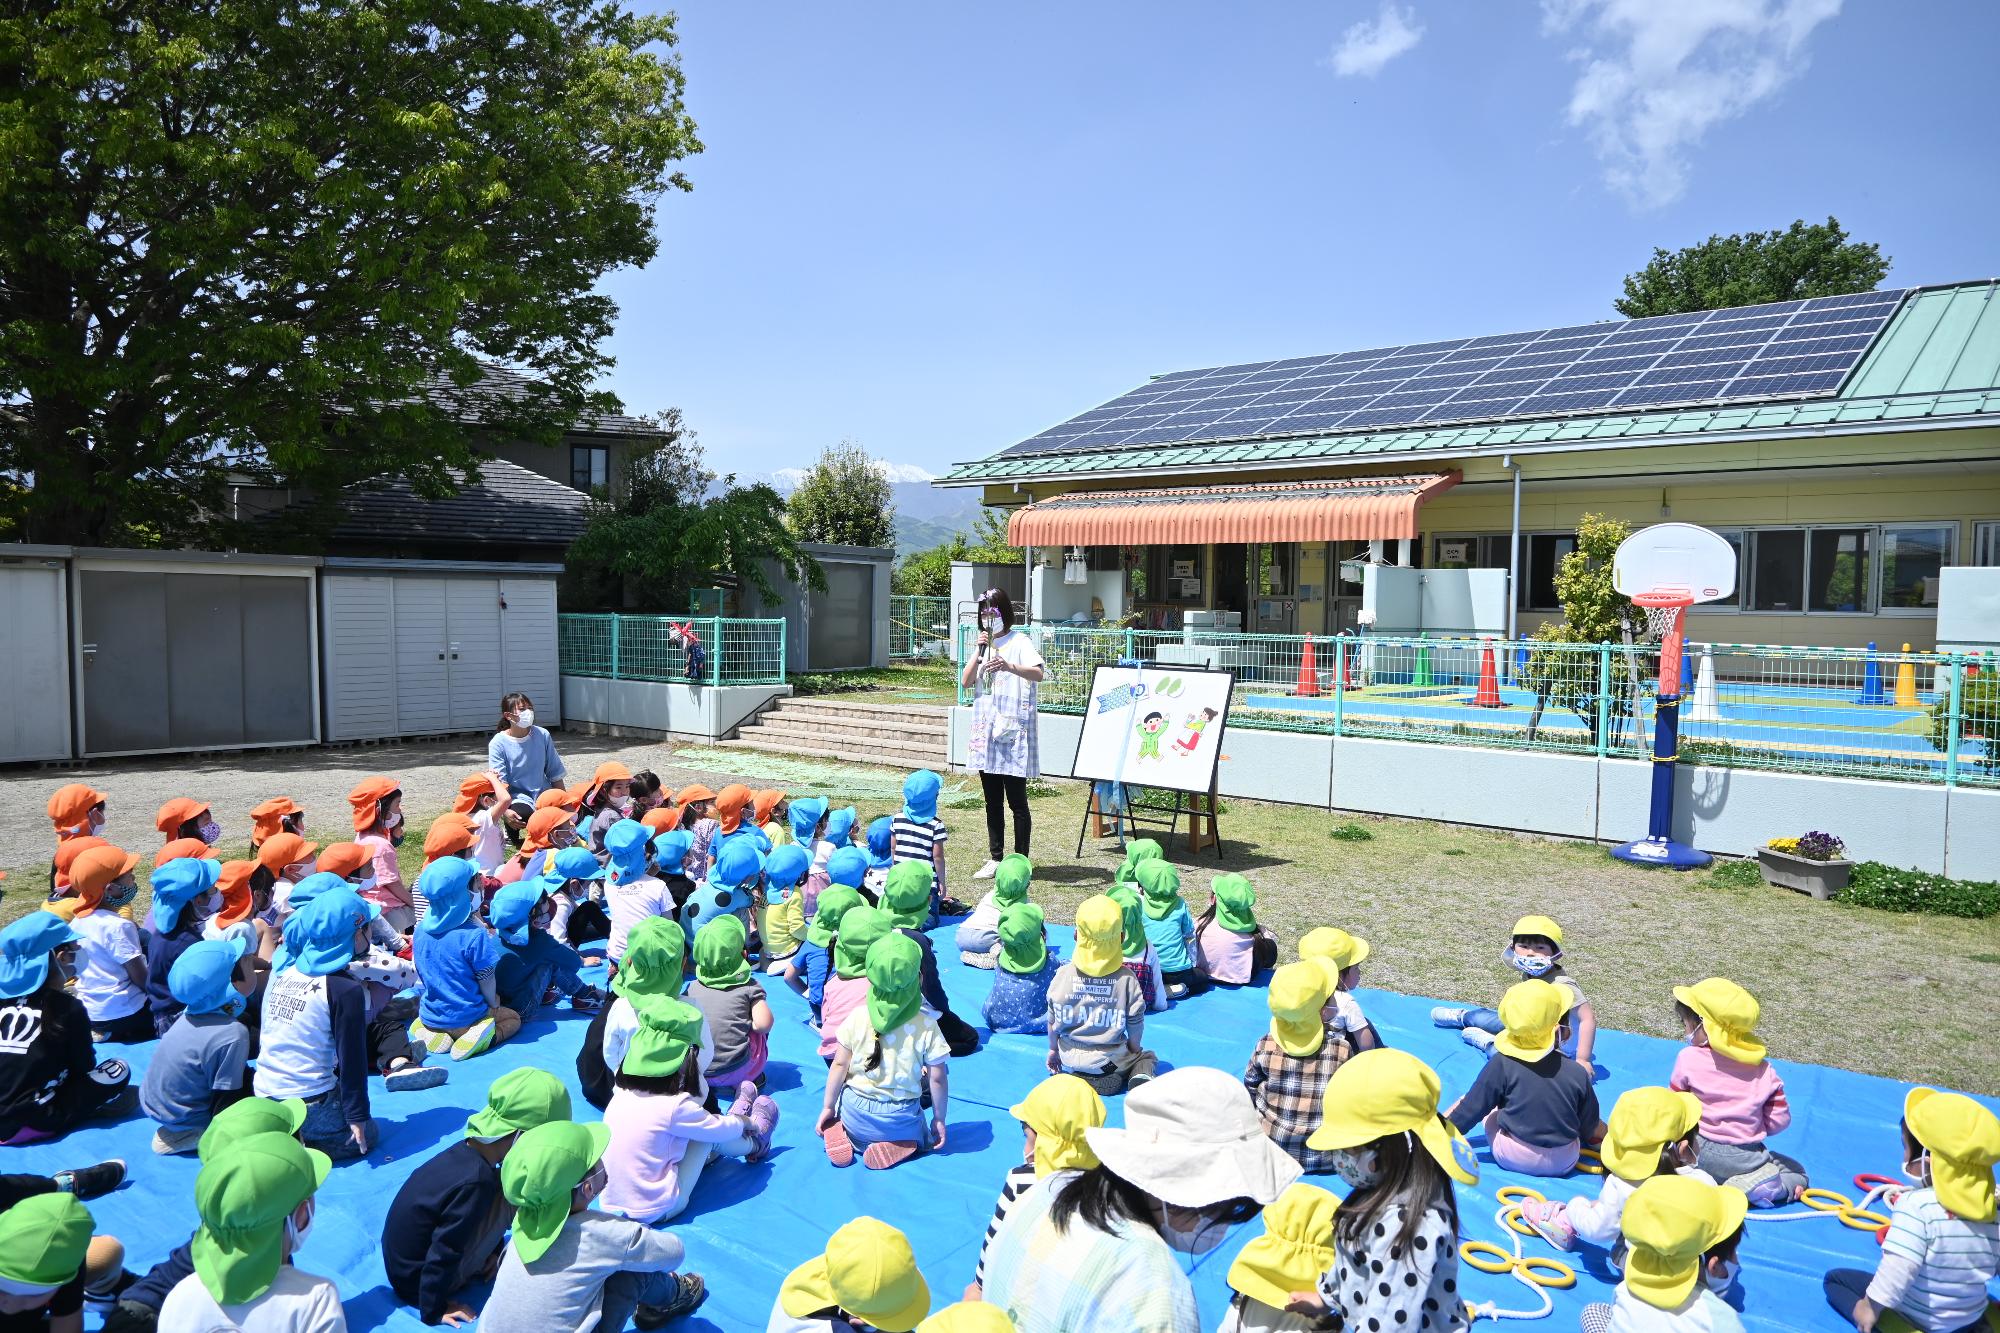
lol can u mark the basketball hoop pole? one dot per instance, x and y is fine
(1665, 609)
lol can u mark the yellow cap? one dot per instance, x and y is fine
(1729, 1013)
(1059, 1109)
(1670, 1222)
(1544, 926)
(1100, 937)
(1296, 1247)
(968, 1317)
(1964, 1142)
(1335, 950)
(868, 1271)
(1531, 1010)
(1643, 1122)
(1296, 995)
(1385, 1091)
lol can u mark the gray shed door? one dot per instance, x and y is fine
(528, 646)
(843, 619)
(423, 672)
(34, 661)
(473, 616)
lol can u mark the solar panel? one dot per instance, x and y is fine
(1789, 349)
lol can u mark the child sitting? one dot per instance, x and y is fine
(881, 854)
(888, 1054)
(314, 1037)
(479, 801)
(655, 956)
(1289, 1069)
(378, 825)
(732, 806)
(51, 1080)
(919, 835)
(978, 936)
(807, 816)
(697, 804)
(1677, 1230)
(848, 866)
(807, 970)
(445, 1230)
(1342, 955)
(1230, 947)
(1742, 1097)
(907, 898)
(1943, 1243)
(1535, 952)
(670, 854)
(1054, 1119)
(50, 1264)
(866, 1278)
(1296, 1247)
(739, 1021)
(1140, 960)
(605, 802)
(783, 927)
(1137, 852)
(458, 962)
(534, 965)
(767, 812)
(1097, 1015)
(633, 892)
(648, 793)
(569, 1266)
(1170, 929)
(180, 888)
(1537, 1104)
(661, 1135)
(1650, 1133)
(244, 897)
(847, 991)
(111, 958)
(201, 1063)
(1019, 1000)
(280, 814)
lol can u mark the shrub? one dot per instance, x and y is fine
(1891, 890)
(1735, 874)
(1979, 717)
(1350, 832)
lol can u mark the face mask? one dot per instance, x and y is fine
(394, 819)
(1917, 1170)
(525, 718)
(96, 822)
(1358, 1167)
(1529, 964)
(296, 1234)
(562, 835)
(1207, 1235)
(211, 832)
(117, 895)
(542, 918)
(295, 873)
(1722, 1283)
(994, 624)
(365, 883)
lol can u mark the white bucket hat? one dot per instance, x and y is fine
(1192, 1139)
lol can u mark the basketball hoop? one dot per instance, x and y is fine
(1665, 608)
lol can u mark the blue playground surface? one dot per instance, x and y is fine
(749, 1225)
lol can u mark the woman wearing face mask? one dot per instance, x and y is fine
(523, 760)
(378, 826)
(1111, 1246)
(1005, 668)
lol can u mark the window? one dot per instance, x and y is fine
(1912, 555)
(1174, 574)
(589, 467)
(1986, 544)
(1541, 556)
(1838, 572)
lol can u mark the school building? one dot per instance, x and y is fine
(1848, 447)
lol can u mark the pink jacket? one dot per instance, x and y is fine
(1739, 1103)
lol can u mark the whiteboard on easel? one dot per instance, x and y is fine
(1154, 726)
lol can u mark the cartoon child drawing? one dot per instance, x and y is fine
(1196, 724)
(1151, 728)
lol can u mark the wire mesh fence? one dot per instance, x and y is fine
(1906, 716)
(712, 650)
(919, 626)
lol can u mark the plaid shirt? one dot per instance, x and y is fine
(1287, 1092)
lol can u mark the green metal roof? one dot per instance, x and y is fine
(1939, 359)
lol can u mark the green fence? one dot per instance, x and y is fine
(919, 626)
(1919, 717)
(712, 650)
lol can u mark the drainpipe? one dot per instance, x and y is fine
(1514, 552)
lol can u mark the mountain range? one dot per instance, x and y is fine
(925, 515)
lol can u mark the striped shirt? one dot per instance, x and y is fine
(1020, 1179)
(911, 841)
(1056, 1281)
(1945, 1263)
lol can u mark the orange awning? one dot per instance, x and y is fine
(1349, 509)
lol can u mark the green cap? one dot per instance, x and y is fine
(895, 981)
(906, 894)
(1234, 899)
(43, 1239)
(519, 1099)
(655, 954)
(540, 1174)
(1010, 881)
(252, 1115)
(668, 1030)
(833, 904)
(859, 927)
(1022, 948)
(1161, 885)
(718, 953)
(1128, 902)
(1136, 851)
(244, 1194)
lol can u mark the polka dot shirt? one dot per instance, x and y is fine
(1377, 1288)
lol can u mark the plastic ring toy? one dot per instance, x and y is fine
(1520, 1194)
(1514, 1222)
(1826, 1201)
(1475, 1252)
(1562, 1276)
(1867, 1182)
(1490, 1258)
(1862, 1220)
(1590, 1161)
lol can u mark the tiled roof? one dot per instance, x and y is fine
(507, 506)
(502, 382)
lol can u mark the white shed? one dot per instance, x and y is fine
(34, 653)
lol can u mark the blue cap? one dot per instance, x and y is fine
(786, 866)
(319, 937)
(670, 849)
(178, 883)
(737, 865)
(848, 865)
(311, 887)
(577, 863)
(25, 946)
(626, 841)
(805, 815)
(881, 838)
(203, 978)
(920, 795)
(515, 904)
(840, 826)
(447, 885)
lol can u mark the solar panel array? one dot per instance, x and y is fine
(1790, 349)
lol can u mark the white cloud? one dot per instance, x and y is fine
(1370, 44)
(1657, 75)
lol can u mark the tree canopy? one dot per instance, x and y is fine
(927, 573)
(274, 237)
(1805, 259)
(844, 499)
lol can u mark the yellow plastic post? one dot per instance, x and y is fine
(1906, 681)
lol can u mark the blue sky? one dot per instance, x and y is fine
(936, 228)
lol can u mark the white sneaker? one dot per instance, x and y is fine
(987, 871)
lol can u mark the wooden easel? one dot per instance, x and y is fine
(1203, 828)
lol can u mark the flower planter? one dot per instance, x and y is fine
(1822, 879)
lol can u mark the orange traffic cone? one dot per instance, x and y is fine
(1308, 686)
(1488, 694)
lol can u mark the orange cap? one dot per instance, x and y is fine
(689, 795)
(342, 858)
(267, 820)
(449, 835)
(176, 813)
(470, 790)
(234, 886)
(287, 849)
(91, 873)
(729, 803)
(540, 825)
(72, 803)
(366, 796)
(557, 798)
(763, 803)
(608, 771)
(661, 819)
(180, 847)
(66, 853)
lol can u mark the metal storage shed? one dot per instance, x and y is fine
(34, 653)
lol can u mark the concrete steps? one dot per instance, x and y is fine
(848, 730)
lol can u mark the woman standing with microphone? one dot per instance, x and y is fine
(1005, 669)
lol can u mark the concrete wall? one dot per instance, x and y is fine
(654, 709)
(1724, 810)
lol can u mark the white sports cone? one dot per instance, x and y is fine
(1704, 707)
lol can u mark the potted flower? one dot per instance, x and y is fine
(1815, 863)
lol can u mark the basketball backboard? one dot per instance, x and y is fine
(1675, 555)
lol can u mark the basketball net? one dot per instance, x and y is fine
(1665, 608)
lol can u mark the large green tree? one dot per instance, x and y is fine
(844, 498)
(1805, 259)
(276, 235)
